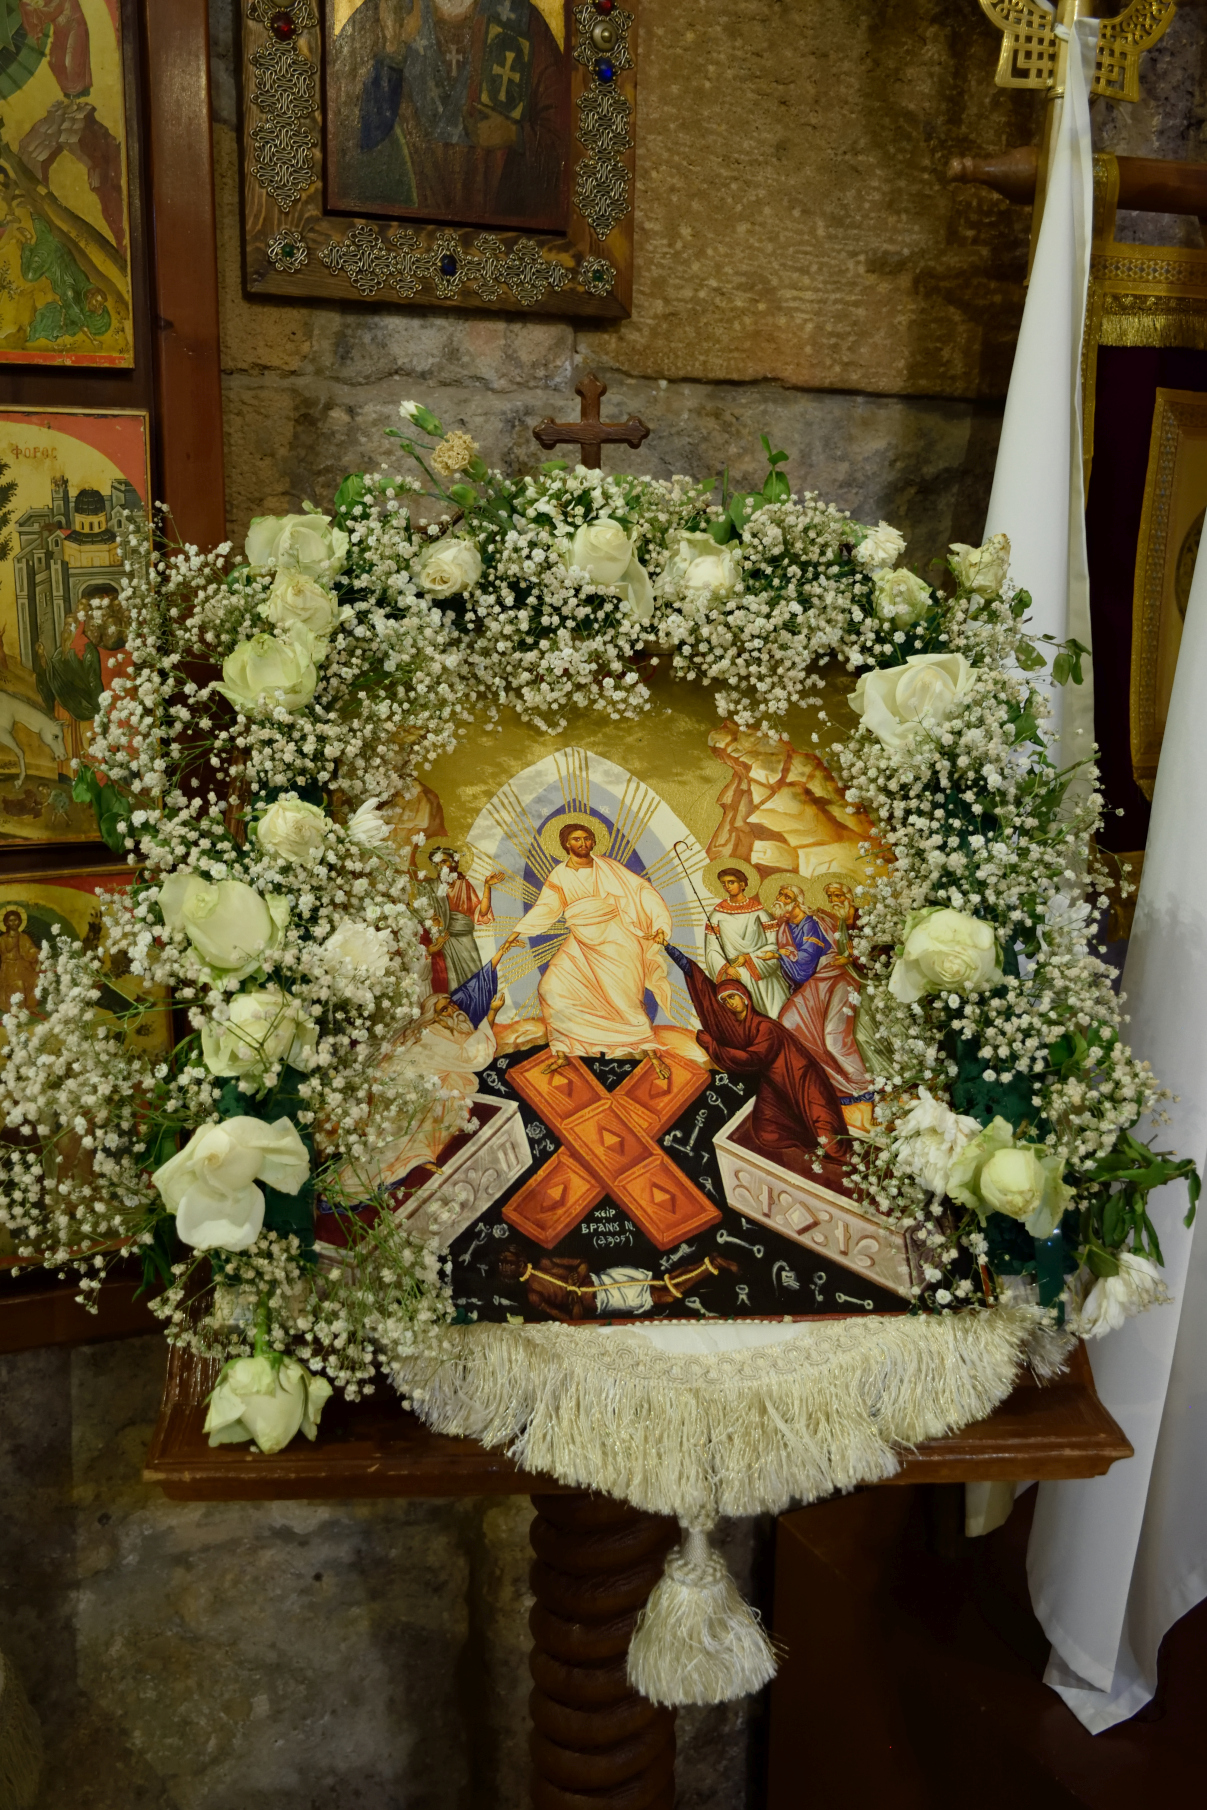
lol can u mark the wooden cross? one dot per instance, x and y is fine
(590, 434)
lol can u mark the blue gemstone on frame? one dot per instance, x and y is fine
(604, 71)
(448, 265)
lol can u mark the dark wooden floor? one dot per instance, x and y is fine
(941, 1702)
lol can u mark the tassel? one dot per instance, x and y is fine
(20, 1743)
(696, 1640)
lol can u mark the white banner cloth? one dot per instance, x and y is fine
(1037, 482)
(1116, 1560)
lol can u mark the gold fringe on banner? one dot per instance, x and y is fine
(738, 1432)
(1154, 322)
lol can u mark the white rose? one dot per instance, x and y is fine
(901, 598)
(982, 569)
(271, 672)
(945, 951)
(265, 1029)
(356, 949)
(993, 1174)
(1114, 1299)
(228, 923)
(605, 553)
(929, 1138)
(267, 1399)
(210, 1185)
(448, 567)
(894, 701)
(880, 546)
(292, 829)
(699, 564)
(307, 543)
(367, 827)
(297, 601)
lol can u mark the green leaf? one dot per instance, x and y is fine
(777, 488)
(1101, 1263)
(549, 466)
(111, 808)
(1115, 1219)
(350, 492)
(1062, 666)
(1020, 604)
(477, 469)
(721, 531)
(158, 1257)
(464, 495)
(1194, 1184)
(1029, 657)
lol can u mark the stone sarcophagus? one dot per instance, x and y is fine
(803, 1209)
(474, 1177)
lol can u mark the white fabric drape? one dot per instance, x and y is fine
(1116, 1560)
(1037, 483)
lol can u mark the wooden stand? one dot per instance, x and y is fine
(595, 1745)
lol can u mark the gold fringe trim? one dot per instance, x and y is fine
(731, 1433)
(1173, 329)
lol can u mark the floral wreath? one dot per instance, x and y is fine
(268, 706)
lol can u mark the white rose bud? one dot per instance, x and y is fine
(1114, 1299)
(699, 564)
(901, 598)
(929, 1138)
(605, 553)
(355, 950)
(266, 1399)
(292, 830)
(265, 1029)
(896, 701)
(210, 1185)
(367, 827)
(982, 569)
(297, 601)
(228, 922)
(993, 1174)
(308, 543)
(264, 672)
(880, 546)
(448, 567)
(945, 951)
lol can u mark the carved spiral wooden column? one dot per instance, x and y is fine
(596, 1745)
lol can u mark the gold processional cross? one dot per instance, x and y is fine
(590, 434)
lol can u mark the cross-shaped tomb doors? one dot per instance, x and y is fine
(609, 1148)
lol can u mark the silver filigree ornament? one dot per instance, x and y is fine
(603, 186)
(287, 251)
(401, 262)
(597, 276)
(286, 93)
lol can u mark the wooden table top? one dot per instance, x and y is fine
(376, 1448)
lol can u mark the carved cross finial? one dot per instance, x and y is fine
(590, 434)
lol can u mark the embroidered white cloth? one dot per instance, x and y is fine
(1037, 483)
(1116, 1560)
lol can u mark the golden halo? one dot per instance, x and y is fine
(427, 867)
(23, 915)
(552, 830)
(813, 888)
(712, 885)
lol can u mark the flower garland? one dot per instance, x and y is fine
(268, 708)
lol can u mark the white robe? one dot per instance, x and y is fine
(593, 990)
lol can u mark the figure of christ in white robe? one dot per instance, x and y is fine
(592, 993)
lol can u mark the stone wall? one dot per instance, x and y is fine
(803, 270)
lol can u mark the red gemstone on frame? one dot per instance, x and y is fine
(281, 24)
(604, 6)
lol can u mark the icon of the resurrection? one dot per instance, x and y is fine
(642, 979)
